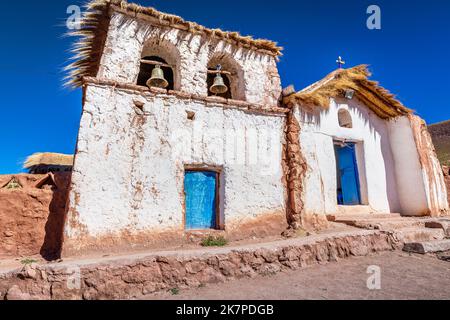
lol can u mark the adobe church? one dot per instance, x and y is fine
(186, 131)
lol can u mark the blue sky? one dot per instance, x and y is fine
(410, 56)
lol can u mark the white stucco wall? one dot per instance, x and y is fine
(129, 169)
(128, 37)
(408, 170)
(374, 158)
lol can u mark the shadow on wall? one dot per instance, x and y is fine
(32, 214)
(54, 228)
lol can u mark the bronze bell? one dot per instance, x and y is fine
(218, 86)
(157, 79)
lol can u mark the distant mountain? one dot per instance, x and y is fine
(440, 132)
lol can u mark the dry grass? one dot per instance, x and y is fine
(48, 159)
(92, 35)
(369, 92)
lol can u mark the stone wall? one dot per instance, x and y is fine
(133, 277)
(32, 211)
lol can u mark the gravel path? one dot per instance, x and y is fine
(403, 276)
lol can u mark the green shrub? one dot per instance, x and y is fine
(212, 241)
(175, 291)
(28, 261)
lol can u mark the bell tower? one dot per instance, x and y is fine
(173, 109)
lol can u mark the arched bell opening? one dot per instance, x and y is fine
(232, 76)
(212, 80)
(162, 54)
(146, 71)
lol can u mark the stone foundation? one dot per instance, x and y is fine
(133, 277)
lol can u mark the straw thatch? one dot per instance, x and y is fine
(92, 35)
(48, 159)
(378, 99)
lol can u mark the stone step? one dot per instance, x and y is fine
(391, 224)
(443, 224)
(428, 246)
(354, 210)
(414, 234)
(355, 217)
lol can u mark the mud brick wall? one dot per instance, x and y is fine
(447, 180)
(32, 209)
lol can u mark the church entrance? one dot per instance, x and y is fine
(348, 186)
(201, 193)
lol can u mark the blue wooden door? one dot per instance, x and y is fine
(200, 190)
(349, 177)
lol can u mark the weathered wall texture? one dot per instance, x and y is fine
(32, 217)
(375, 159)
(128, 178)
(129, 40)
(433, 179)
(446, 171)
(408, 170)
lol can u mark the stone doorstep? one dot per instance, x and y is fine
(355, 217)
(417, 234)
(427, 246)
(388, 224)
(443, 224)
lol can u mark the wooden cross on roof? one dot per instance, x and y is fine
(340, 62)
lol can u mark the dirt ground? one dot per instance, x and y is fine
(403, 276)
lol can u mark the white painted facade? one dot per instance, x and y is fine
(129, 167)
(391, 177)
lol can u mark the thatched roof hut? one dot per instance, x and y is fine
(40, 163)
(92, 35)
(378, 99)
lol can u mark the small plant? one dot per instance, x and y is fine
(175, 291)
(13, 185)
(212, 241)
(28, 261)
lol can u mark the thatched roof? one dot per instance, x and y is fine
(53, 159)
(92, 35)
(369, 92)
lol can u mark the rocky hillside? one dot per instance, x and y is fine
(440, 133)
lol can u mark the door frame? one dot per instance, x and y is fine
(204, 168)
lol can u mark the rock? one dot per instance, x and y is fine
(427, 247)
(15, 294)
(228, 269)
(194, 267)
(8, 234)
(29, 272)
(439, 224)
